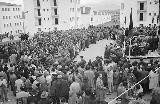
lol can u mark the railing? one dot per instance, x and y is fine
(129, 89)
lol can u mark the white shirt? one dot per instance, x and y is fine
(22, 94)
(19, 83)
(4, 81)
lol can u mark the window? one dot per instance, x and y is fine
(2, 9)
(95, 12)
(73, 9)
(3, 17)
(91, 18)
(38, 3)
(154, 14)
(150, 14)
(44, 10)
(39, 21)
(55, 11)
(47, 9)
(56, 21)
(70, 19)
(5, 9)
(4, 25)
(141, 25)
(8, 9)
(19, 16)
(141, 6)
(48, 18)
(71, 1)
(122, 5)
(39, 13)
(77, 18)
(7, 25)
(39, 29)
(55, 2)
(141, 17)
(6, 17)
(15, 24)
(13, 9)
(20, 23)
(44, 19)
(10, 24)
(18, 9)
(150, 2)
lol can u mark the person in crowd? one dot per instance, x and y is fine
(110, 79)
(74, 90)
(22, 95)
(100, 89)
(18, 83)
(153, 78)
(89, 74)
(3, 88)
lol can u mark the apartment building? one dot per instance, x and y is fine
(11, 19)
(144, 12)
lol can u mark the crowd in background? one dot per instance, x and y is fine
(42, 70)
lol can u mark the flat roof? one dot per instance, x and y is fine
(8, 4)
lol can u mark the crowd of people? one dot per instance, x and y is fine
(143, 40)
(42, 71)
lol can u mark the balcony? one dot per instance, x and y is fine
(141, 11)
(54, 15)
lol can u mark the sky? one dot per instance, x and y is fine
(96, 4)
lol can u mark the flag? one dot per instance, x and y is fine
(131, 21)
(158, 18)
(125, 20)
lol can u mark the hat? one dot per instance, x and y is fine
(54, 73)
(81, 56)
(59, 76)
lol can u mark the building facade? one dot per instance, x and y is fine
(115, 18)
(11, 19)
(144, 12)
(41, 15)
(99, 17)
(48, 15)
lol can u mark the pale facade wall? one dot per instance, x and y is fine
(135, 5)
(10, 19)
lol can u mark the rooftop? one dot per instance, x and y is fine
(8, 4)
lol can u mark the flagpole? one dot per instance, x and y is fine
(124, 43)
(129, 48)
